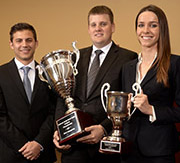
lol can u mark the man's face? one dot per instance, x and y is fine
(24, 45)
(100, 29)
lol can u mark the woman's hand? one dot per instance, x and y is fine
(141, 102)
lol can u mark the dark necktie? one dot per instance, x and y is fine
(93, 71)
(26, 82)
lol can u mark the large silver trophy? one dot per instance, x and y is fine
(116, 108)
(59, 71)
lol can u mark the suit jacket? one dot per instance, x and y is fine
(21, 121)
(110, 72)
(160, 137)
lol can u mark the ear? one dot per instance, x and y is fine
(37, 43)
(113, 28)
(11, 44)
(88, 30)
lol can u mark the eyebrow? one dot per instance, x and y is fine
(148, 22)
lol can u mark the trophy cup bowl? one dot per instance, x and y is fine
(116, 108)
(60, 72)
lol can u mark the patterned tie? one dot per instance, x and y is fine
(26, 82)
(93, 71)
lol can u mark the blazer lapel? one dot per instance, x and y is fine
(150, 74)
(83, 66)
(132, 73)
(111, 56)
(14, 74)
(37, 83)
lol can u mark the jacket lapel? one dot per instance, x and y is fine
(37, 83)
(150, 74)
(132, 73)
(111, 56)
(83, 66)
(14, 74)
(18, 82)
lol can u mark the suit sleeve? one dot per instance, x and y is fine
(10, 135)
(46, 130)
(171, 113)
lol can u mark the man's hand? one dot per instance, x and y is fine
(56, 142)
(96, 133)
(31, 150)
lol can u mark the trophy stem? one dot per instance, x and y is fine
(116, 133)
(115, 136)
(69, 102)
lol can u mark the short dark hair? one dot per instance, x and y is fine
(101, 10)
(21, 27)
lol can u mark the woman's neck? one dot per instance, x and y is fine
(148, 54)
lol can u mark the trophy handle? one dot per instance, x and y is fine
(137, 89)
(40, 72)
(104, 92)
(76, 51)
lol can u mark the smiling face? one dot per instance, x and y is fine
(100, 29)
(24, 45)
(148, 29)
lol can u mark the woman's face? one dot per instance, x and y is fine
(148, 29)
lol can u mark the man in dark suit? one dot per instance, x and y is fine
(111, 58)
(26, 119)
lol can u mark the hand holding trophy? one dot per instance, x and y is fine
(60, 72)
(116, 104)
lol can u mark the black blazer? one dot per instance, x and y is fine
(160, 137)
(20, 121)
(110, 72)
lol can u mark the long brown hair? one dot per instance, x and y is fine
(163, 48)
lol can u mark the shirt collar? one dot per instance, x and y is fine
(105, 49)
(140, 57)
(20, 65)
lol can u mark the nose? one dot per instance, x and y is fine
(24, 43)
(146, 29)
(98, 27)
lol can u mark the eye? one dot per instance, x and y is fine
(29, 40)
(140, 25)
(153, 25)
(18, 40)
(103, 24)
(93, 24)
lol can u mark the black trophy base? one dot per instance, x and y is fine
(71, 126)
(111, 147)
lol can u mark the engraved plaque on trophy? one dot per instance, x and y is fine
(60, 72)
(116, 108)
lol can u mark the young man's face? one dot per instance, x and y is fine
(24, 45)
(100, 29)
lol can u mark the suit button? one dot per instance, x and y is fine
(85, 104)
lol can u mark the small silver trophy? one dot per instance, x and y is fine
(116, 108)
(60, 72)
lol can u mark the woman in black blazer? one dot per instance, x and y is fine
(151, 127)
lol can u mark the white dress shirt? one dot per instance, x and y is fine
(105, 50)
(152, 118)
(31, 73)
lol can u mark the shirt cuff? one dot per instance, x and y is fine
(40, 146)
(152, 117)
